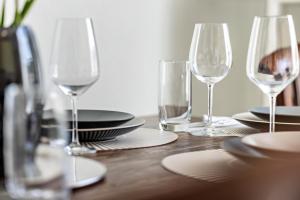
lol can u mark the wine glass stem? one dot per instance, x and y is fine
(75, 139)
(272, 100)
(210, 102)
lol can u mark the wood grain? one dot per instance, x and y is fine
(138, 174)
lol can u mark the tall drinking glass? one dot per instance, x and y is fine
(273, 60)
(210, 57)
(174, 99)
(75, 67)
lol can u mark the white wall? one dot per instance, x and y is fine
(133, 35)
(293, 9)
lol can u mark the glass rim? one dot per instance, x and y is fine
(174, 61)
(273, 16)
(211, 23)
(74, 19)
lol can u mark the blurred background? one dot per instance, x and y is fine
(133, 35)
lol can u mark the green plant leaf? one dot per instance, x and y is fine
(20, 15)
(2, 14)
(17, 15)
(28, 4)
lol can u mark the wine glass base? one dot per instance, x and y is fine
(221, 121)
(211, 132)
(78, 150)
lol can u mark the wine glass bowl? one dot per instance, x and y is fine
(273, 74)
(273, 60)
(75, 66)
(211, 58)
(210, 52)
(74, 56)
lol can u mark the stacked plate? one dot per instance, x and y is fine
(287, 118)
(97, 125)
(265, 147)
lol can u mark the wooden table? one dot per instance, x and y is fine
(138, 174)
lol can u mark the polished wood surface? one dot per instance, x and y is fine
(138, 174)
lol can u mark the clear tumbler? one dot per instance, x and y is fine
(174, 99)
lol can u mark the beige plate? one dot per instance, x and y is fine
(286, 142)
(251, 120)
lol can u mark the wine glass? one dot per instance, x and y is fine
(75, 67)
(210, 57)
(273, 60)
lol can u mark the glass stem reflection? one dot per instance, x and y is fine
(210, 101)
(75, 139)
(272, 101)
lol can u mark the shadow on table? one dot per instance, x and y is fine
(262, 182)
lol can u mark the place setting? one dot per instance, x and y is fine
(268, 147)
(239, 154)
(114, 130)
(58, 146)
(175, 87)
(209, 165)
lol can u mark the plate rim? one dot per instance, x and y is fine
(266, 149)
(140, 122)
(229, 141)
(279, 115)
(248, 157)
(261, 121)
(89, 181)
(98, 110)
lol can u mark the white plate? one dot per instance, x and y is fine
(82, 171)
(85, 172)
(284, 142)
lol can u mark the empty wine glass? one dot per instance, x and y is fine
(75, 67)
(211, 58)
(273, 60)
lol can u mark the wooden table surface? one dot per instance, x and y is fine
(138, 173)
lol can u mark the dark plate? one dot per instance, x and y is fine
(237, 148)
(93, 118)
(253, 121)
(282, 113)
(104, 133)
